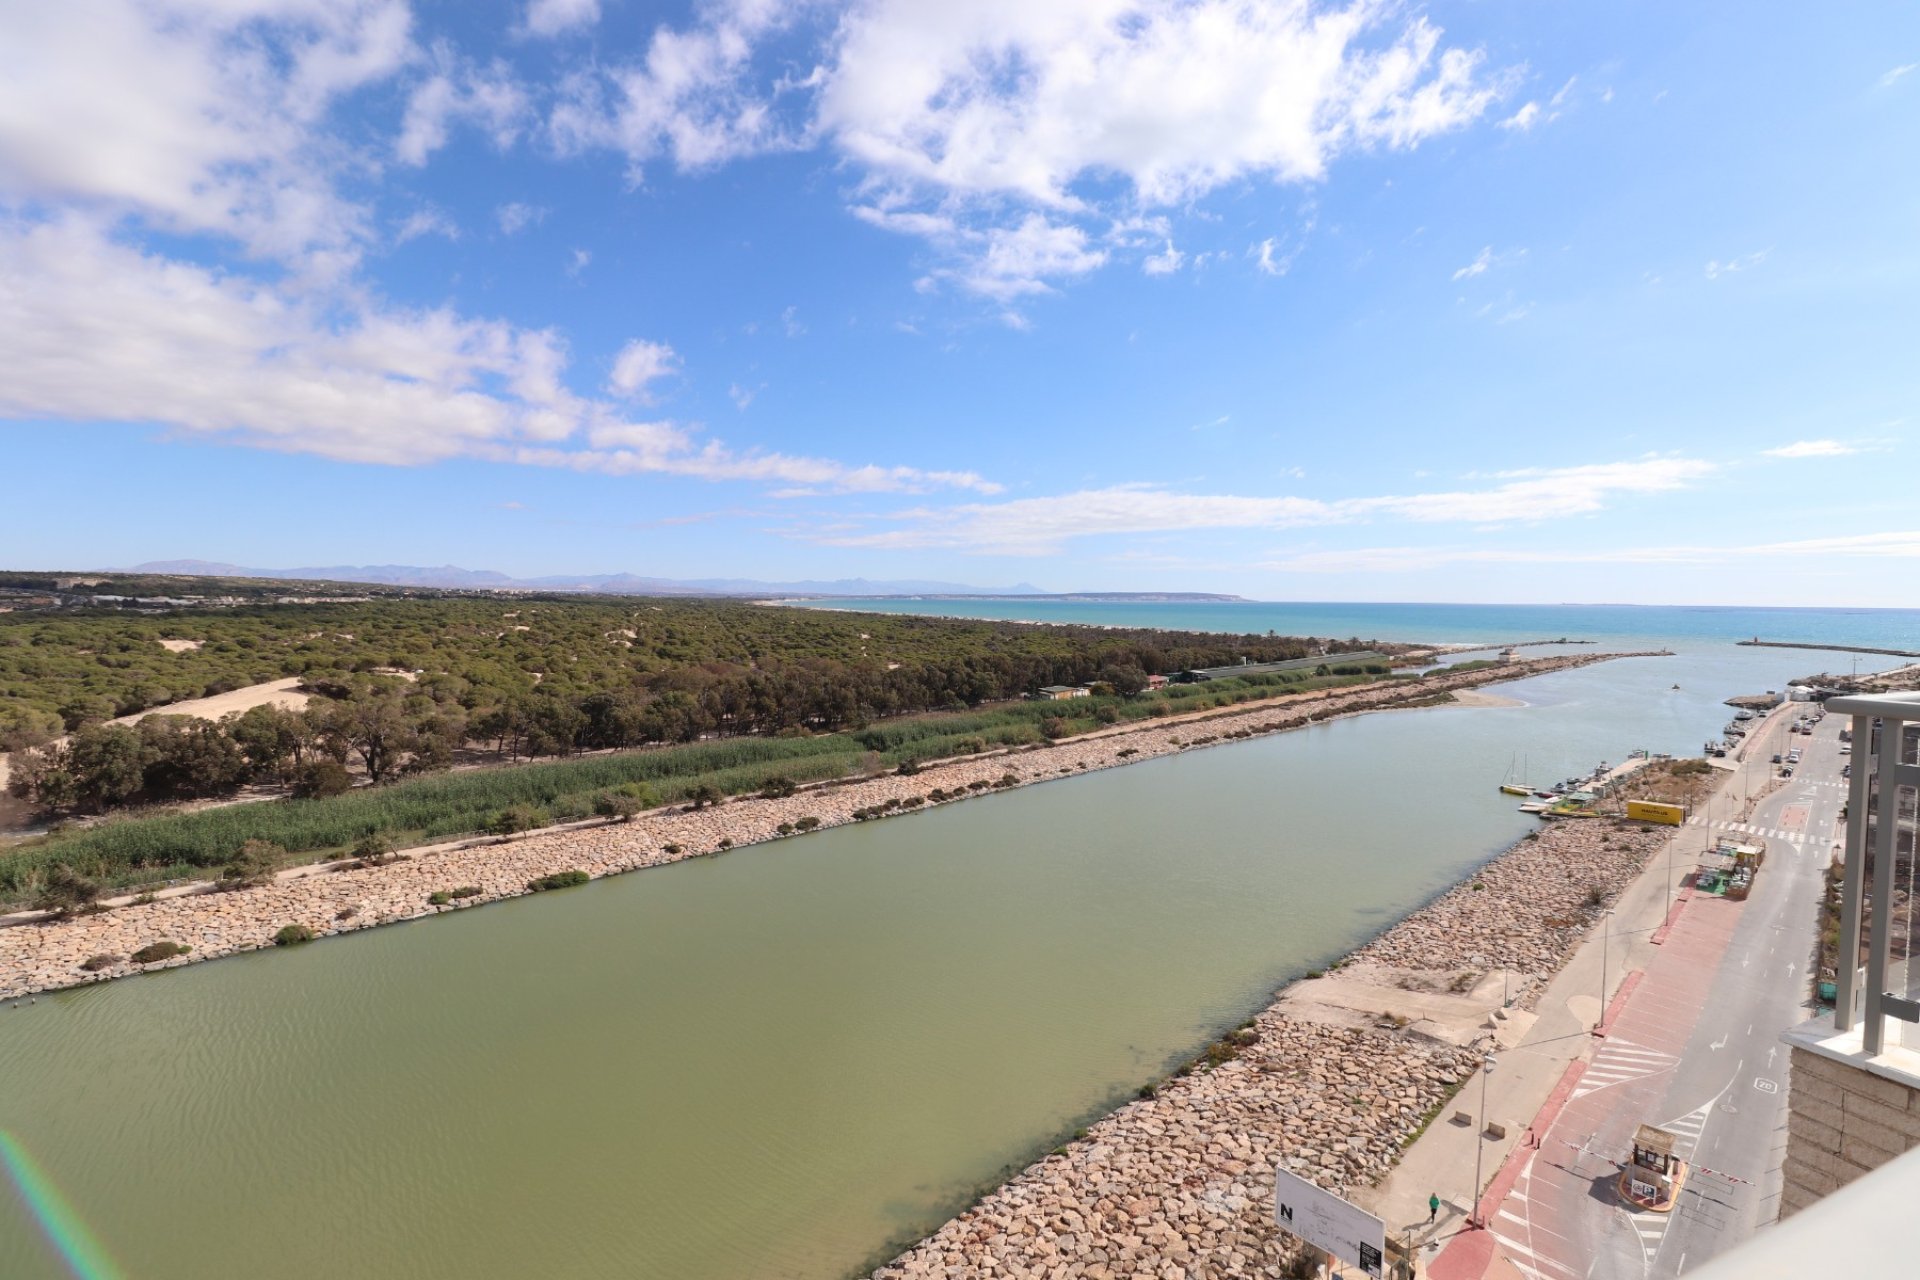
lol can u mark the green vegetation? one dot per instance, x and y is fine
(155, 952)
(558, 880)
(292, 935)
(778, 699)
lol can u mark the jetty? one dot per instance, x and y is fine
(1831, 648)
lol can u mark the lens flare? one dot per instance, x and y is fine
(85, 1256)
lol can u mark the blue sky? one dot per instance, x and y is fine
(1494, 301)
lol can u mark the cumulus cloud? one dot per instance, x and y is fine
(517, 216)
(459, 92)
(201, 118)
(1164, 263)
(964, 123)
(640, 363)
(1813, 449)
(92, 329)
(1524, 119)
(1042, 525)
(552, 17)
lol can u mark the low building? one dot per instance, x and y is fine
(1156, 682)
(1061, 692)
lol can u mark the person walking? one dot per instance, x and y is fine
(1433, 1208)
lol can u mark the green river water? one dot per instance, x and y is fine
(780, 1061)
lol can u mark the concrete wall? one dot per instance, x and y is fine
(1842, 1122)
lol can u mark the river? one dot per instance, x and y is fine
(781, 1061)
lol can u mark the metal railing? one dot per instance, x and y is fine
(1882, 767)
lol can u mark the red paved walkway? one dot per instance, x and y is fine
(1540, 1208)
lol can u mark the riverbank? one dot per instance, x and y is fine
(342, 897)
(1180, 1184)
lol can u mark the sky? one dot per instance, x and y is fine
(1508, 300)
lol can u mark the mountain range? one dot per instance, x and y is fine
(452, 576)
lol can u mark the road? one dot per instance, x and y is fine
(1694, 1048)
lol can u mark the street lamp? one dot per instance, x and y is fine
(1480, 1143)
(1606, 945)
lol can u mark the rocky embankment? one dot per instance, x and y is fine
(1180, 1186)
(39, 957)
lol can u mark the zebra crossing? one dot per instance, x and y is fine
(1516, 1235)
(1620, 1061)
(1744, 829)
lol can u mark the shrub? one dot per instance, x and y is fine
(703, 795)
(346, 913)
(155, 952)
(978, 784)
(252, 865)
(1008, 780)
(465, 891)
(778, 788)
(374, 850)
(726, 842)
(558, 880)
(807, 823)
(970, 746)
(439, 898)
(1595, 895)
(908, 767)
(913, 802)
(292, 935)
(671, 850)
(1053, 728)
(1107, 714)
(615, 806)
(94, 964)
(785, 829)
(321, 779)
(515, 818)
(65, 892)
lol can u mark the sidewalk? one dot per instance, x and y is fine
(1542, 1069)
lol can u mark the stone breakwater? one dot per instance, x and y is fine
(42, 957)
(1180, 1186)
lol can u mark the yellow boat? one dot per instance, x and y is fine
(1512, 789)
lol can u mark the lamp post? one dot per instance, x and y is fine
(1606, 945)
(1480, 1143)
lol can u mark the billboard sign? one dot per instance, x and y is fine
(1647, 811)
(1327, 1222)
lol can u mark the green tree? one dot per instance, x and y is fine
(252, 865)
(108, 763)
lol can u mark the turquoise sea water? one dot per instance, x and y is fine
(1613, 624)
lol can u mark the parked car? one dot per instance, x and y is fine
(1776, 757)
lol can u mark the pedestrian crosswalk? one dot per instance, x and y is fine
(1744, 829)
(1620, 1061)
(1516, 1234)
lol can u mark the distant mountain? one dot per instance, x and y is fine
(452, 576)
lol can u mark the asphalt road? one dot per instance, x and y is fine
(1694, 1049)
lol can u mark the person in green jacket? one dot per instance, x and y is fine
(1433, 1208)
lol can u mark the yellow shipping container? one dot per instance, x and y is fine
(1671, 815)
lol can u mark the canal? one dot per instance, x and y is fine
(779, 1062)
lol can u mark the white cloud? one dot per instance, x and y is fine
(1477, 267)
(195, 117)
(1164, 263)
(517, 217)
(1524, 119)
(1813, 449)
(1715, 268)
(964, 123)
(1042, 525)
(1487, 260)
(551, 17)
(455, 92)
(790, 322)
(1410, 559)
(94, 330)
(426, 222)
(578, 260)
(741, 396)
(639, 363)
(1896, 74)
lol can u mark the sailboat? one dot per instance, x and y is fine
(1512, 788)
